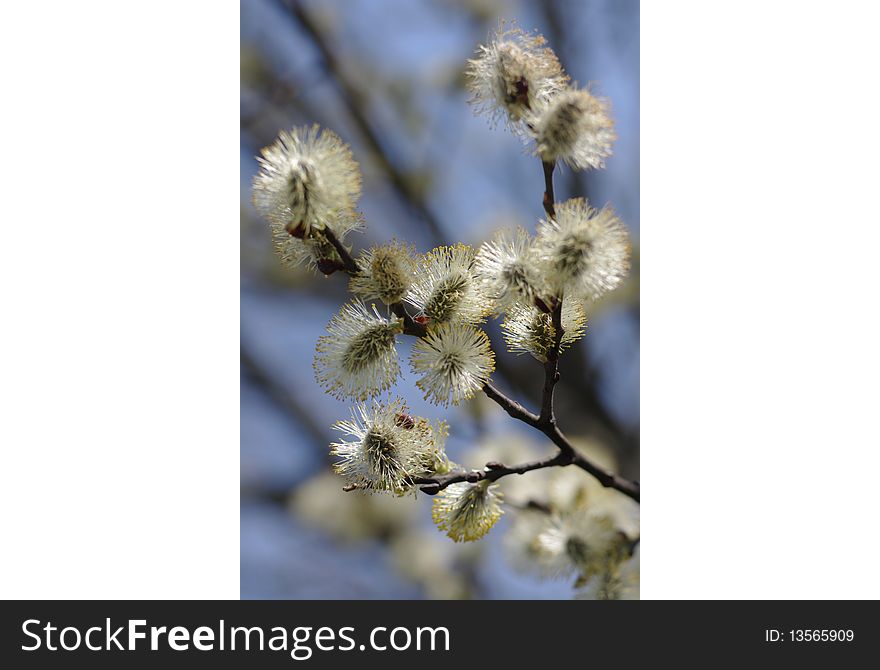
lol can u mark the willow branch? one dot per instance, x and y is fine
(410, 325)
(511, 406)
(493, 472)
(549, 197)
(348, 262)
(546, 420)
(567, 455)
(551, 368)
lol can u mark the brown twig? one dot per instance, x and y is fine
(410, 326)
(492, 472)
(549, 196)
(551, 368)
(567, 454)
(512, 407)
(348, 262)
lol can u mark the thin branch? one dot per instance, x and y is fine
(493, 472)
(549, 196)
(410, 325)
(551, 368)
(512, 407)
(566, 449)
(606, 478)
(567, 455)
(348, 262)
(544, 422)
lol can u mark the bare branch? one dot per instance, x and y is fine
(551, 368)
(564, 457)
(549, 196)
(512, 407)
(410, 326)
(432, 485)
(348, 262)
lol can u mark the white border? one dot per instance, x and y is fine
(119, 268)
(759, 448)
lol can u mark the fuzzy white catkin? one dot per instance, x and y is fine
(358, 358)
(513, 75)
(583, 252)
(466, 512)
(506, 268)
(308, 182)
(307, 178)
(453, 362)
(386, 273)
(575, 127)
(527, 329)
(389, 448)
(446, 290)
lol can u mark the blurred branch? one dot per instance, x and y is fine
(280, 396)
(356, 101)
(551, 367)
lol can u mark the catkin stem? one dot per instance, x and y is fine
(549, 196)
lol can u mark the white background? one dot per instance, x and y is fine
(119, 269)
